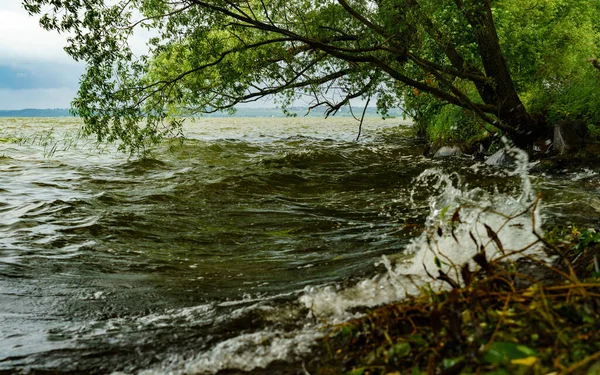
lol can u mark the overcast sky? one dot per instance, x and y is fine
(35, 72)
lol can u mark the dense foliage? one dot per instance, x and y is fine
(503, 65)
(547, 45)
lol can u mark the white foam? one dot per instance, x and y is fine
(245, 352)
(402, 274)
(583, 174)
(432, 252)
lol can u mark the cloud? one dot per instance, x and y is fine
(34, 75)
(35, 71)
(24, 40)
(33, 63)
(12, 99)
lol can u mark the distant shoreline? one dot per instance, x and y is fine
(242, 112)
(33, 112)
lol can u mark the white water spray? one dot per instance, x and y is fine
(461, 221)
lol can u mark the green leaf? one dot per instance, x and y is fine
(449, 362)
(418, 340)
(400, 349)
(443, 212)
(346, 331)
(503, 352)
(357, 371)
(595, 369)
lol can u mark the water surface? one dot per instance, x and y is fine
(195, 260)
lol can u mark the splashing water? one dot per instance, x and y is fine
(443, 244)
(501, 224)
(246, 353)
(236, 252)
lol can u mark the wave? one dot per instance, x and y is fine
(462, 222)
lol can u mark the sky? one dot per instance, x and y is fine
(35, 72)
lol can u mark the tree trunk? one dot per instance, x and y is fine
(510, 108)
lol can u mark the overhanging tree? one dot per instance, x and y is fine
(210, 55)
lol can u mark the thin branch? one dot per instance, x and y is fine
(362, 118)
(266, 11)
(222, 56)
(335, 108)
(363, 19)
(263, 93)
(430, 89)
(177, 11)
(462, 97)
(476, 77)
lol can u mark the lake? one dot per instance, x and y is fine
(237, 247)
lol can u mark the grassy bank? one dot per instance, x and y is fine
(522, 317)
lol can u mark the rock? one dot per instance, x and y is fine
(500, 158)
(448, 151)
(569, 135)
(542, 146)
(479, 154)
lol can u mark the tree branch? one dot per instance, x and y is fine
(363, 19)
(172, 13)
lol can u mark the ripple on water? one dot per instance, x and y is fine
(226, 252)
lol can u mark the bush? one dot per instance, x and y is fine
(573, 99)
(455, 125)
(441, 123)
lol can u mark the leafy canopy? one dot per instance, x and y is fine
(209, 55)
